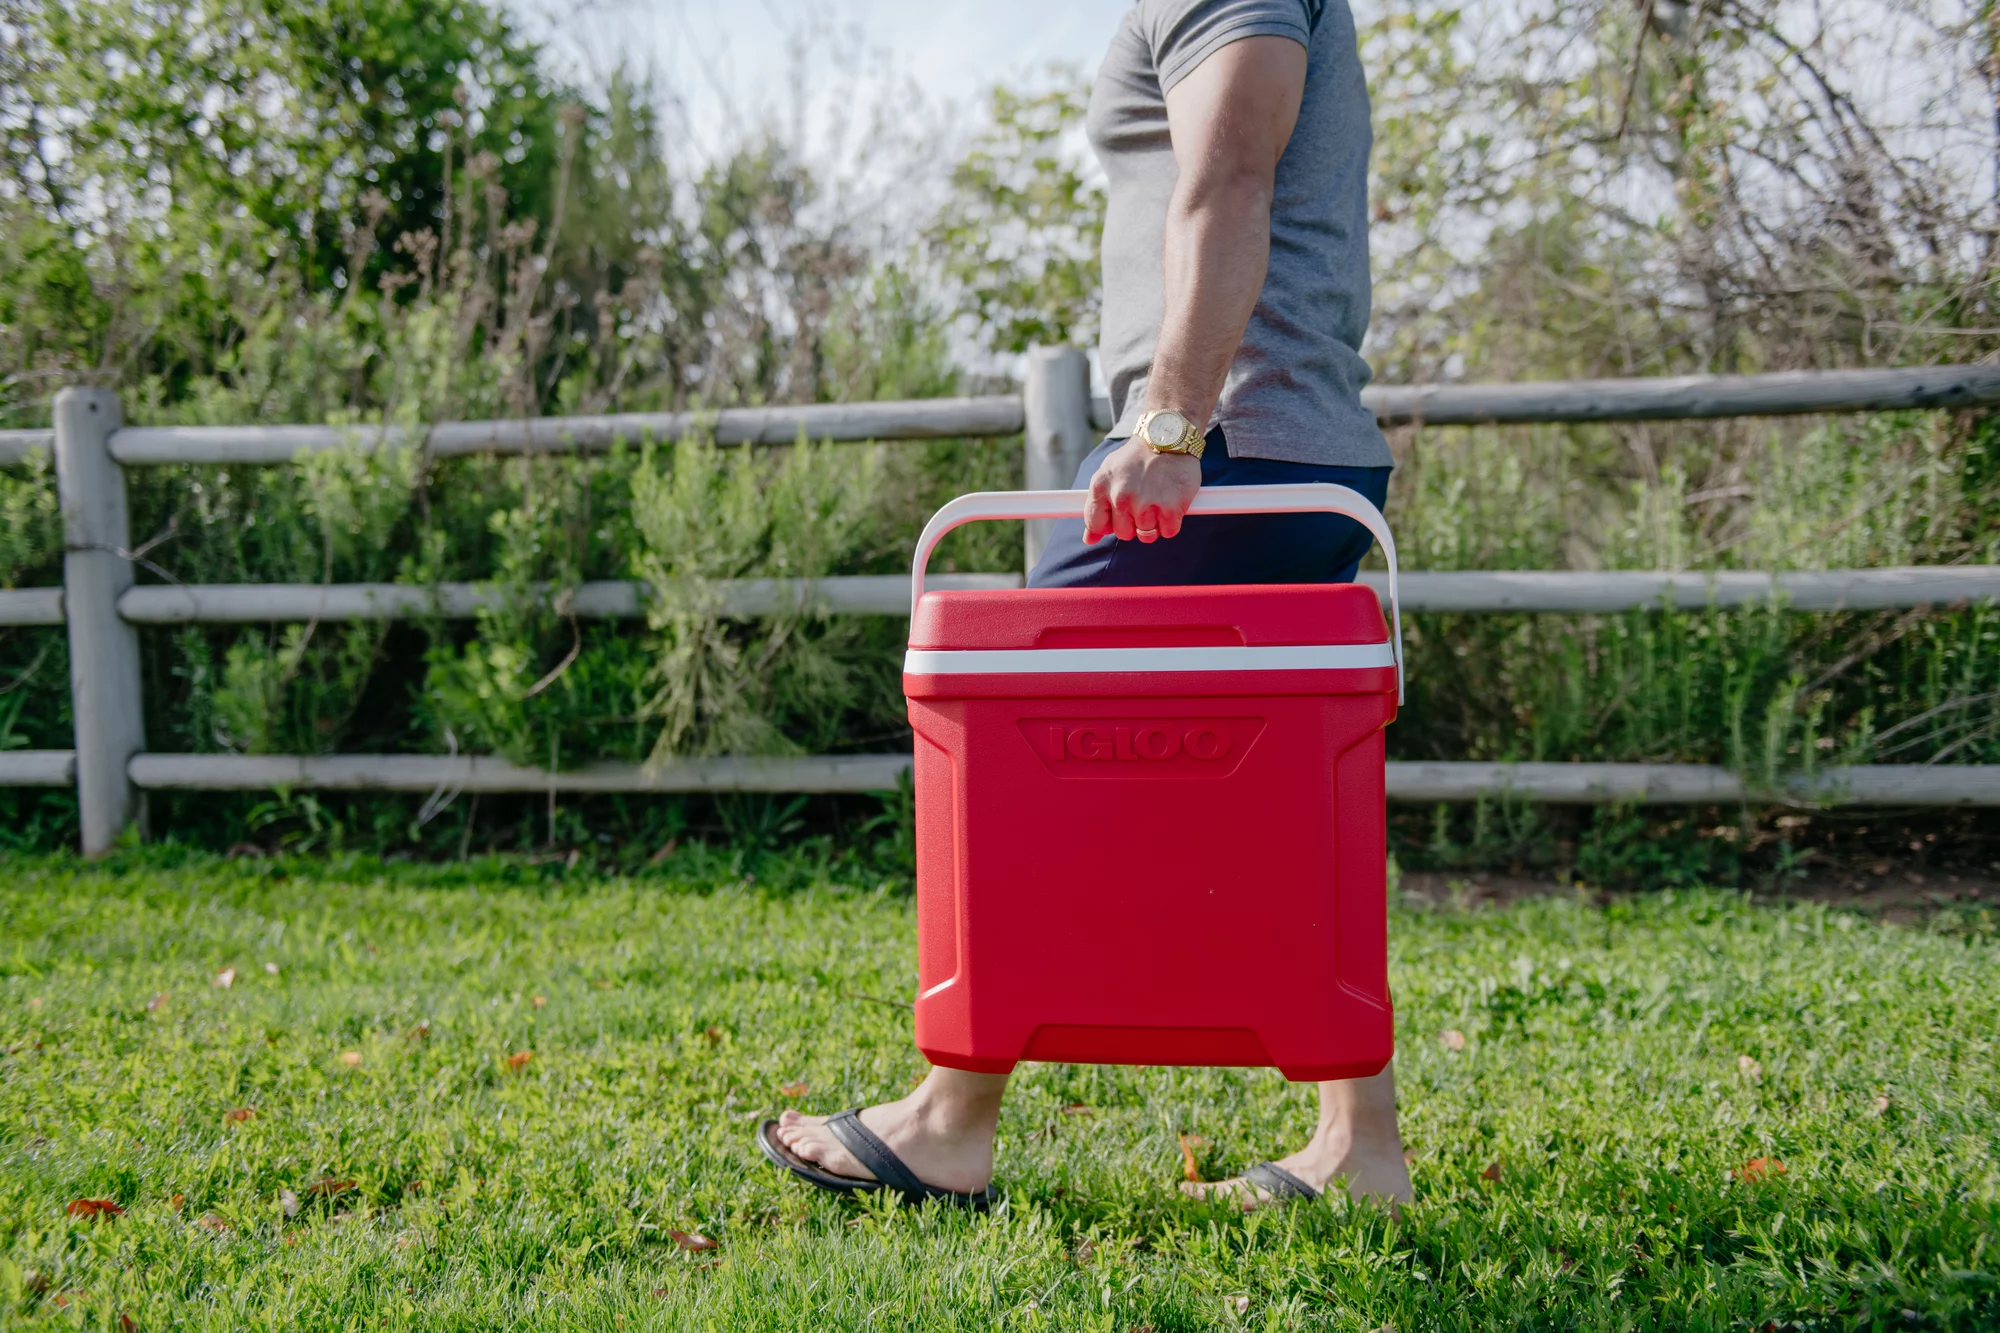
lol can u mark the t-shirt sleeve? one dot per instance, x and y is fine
(1183, 33)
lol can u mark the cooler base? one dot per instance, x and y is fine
(1322, 1073)
(1061, 1043)
(971, 1064)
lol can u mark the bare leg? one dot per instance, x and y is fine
(1356, 1141)
(943, 1131)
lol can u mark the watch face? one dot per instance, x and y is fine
(1165, 429)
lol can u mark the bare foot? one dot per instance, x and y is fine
(1357, 1142)
(943, 1132)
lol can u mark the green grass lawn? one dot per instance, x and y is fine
(1622, 1064)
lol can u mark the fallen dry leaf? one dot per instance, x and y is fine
(1189, 1168)
(154, 1004)
(34, 1002)
(540, 1001)
(212, 1222)
(1757, 1168)
(418, 1033)
(519, 1058)
(1492, 1172)
(326, 1187)
(1453, 1039)
(240, 1114)
(272, 968)
(659, 1293)
(94, 1208)
(603, 985)
(1241, 1303)
(798, 1089)
(1409, 1157)
(711, 1034)
(126, 1323)
(288, 1203)
(693, 1241)
(1077, 1108)
(224, 979)
(1748, 1066)
(1879, 868)
(352, 1059)
(178, 1202)
(666, 850)
(1881, 1103)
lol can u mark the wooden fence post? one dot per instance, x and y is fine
(103, 649)
(1057, 433)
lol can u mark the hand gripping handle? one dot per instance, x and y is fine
(1311, 497)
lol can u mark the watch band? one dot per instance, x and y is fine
(1189, 441)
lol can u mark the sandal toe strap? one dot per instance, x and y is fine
(1278, 1182)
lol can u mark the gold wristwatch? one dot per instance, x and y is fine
(1169, 432)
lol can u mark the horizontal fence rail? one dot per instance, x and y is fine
(921, 419)
(1473, 591)
(1058, 421)
(242, 603)
(1680, 398)
(1572, 784)
(1912, 785)
(37, 768)
(1685, 397)
(1695, 784)
(426, 773)
(16, 445)
(1611, 591)
(31, 606)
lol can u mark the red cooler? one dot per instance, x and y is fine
(1150, 821)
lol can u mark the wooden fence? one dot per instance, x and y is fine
(1058, 421)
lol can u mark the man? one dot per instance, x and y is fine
(1235, 136)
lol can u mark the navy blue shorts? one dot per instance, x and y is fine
(1221, 548)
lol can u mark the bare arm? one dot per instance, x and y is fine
(1230, 120)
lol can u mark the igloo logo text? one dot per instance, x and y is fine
(1127, 747)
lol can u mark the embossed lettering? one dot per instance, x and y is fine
(1207, 743)
(1089, 743)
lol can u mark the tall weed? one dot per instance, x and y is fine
(704, 514)
(533, 681)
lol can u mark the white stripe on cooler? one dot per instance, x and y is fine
(1047, 661)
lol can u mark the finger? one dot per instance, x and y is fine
(1170, 521)
(1146, 522)
(1121, 518)
(1096, 516)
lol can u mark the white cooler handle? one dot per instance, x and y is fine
(1308, 497)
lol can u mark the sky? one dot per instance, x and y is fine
(728, 63)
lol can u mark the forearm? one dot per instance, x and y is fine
(1217, 248)
(1230, 119)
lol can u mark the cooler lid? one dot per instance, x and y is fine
(1248, 615)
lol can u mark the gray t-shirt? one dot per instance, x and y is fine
(1294, 389)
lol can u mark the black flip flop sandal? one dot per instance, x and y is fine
(1278, 1182)
(872, 1153)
